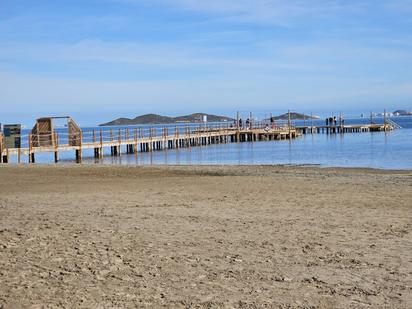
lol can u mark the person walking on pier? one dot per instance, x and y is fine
(327, 121)
(247, 123)
(240, 123)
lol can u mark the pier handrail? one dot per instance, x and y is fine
(393, 124)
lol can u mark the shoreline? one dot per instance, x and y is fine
(199, 166)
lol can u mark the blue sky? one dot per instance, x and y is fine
(96, 60)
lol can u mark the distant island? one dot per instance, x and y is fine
(294, 116)
(401, 112)
(159, 119)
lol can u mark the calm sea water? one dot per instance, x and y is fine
(390, 150)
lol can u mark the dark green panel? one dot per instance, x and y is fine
(12, 135)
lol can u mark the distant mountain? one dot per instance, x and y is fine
(294, 116)
(158, 119)
(401, 112)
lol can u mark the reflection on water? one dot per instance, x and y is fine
(390, 150)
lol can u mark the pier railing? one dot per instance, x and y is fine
(112, 134)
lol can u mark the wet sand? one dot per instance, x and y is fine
(205, 237)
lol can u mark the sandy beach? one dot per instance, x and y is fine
(204, 237)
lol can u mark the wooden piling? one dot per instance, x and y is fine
(56, 147)
(31, 154)
(6, 157)
(79, 152)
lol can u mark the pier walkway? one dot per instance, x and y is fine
(357, 128)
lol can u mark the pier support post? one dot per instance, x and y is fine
(78, 156)
(56, 147)
(31, 154)
(6, 157)
(289, 124)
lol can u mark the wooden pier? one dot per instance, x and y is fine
(335, 129)
(45, 138)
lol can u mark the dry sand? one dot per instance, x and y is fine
(189, 237)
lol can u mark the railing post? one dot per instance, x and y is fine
(119, 141)
(250, 121)
(101, 144)
(311, 122)
(188, 136)
(237, 127)
(289, 124)
(126, 137)
(150, 139)
(135, 140)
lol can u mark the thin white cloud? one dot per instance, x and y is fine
(262, 11)
(287, 13)
(155, 56)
